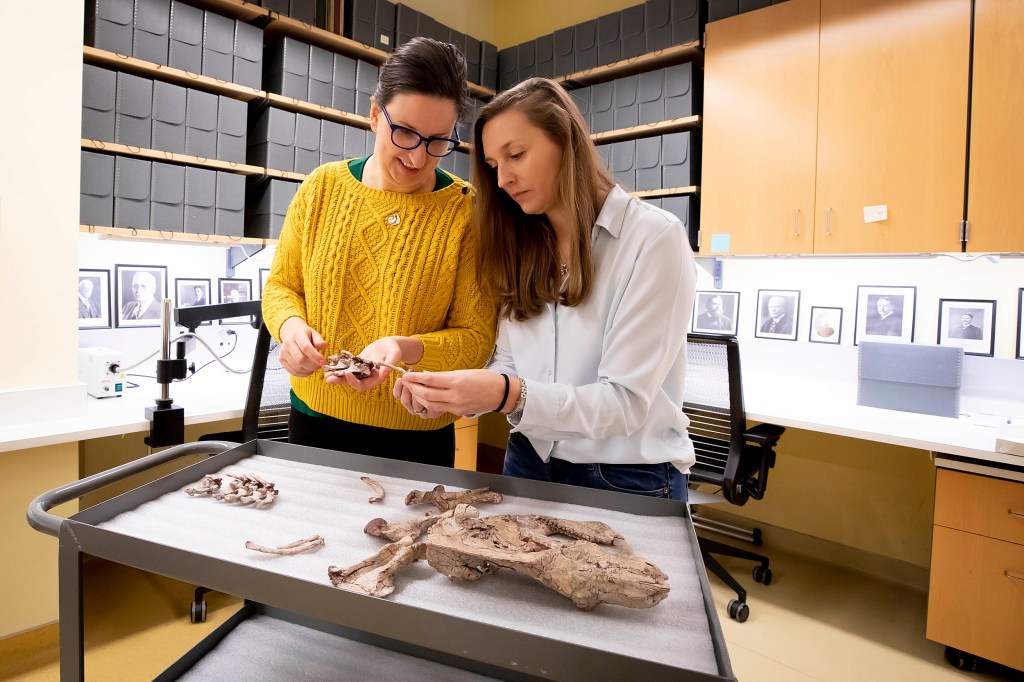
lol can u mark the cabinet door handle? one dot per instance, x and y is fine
(1012, 576)
(828, 222)
(1014, 514)
(796, 223)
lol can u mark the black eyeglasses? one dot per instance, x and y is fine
(407, 138)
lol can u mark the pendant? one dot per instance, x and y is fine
(394, 219)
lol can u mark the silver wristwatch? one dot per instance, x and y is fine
(517, 413)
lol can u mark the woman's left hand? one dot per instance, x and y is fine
(462, 392)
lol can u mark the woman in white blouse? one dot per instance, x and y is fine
(595, 289)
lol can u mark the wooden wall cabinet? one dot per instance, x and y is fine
(976, 591)
(887, 127)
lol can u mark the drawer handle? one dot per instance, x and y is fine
(1014, 514)
(1011, 576)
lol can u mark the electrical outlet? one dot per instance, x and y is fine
(225, 340)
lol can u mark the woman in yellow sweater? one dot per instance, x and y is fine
(377, 257)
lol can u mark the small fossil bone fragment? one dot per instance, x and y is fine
(346, 362)
(449, 500)
(377, 488)
(463, 546)
(379, 528)
(247, 489)
(297, 547)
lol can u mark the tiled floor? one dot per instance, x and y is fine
(814, 622)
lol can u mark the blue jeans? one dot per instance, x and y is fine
(653, 480)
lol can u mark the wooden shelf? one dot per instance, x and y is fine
(318, 110)
(284, 175)
(120, 62)
(179, 237)
(667, 192)
(236, 9)
(687, 52)
(648, 130)
(184, 159)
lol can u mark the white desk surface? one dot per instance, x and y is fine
(212, 395)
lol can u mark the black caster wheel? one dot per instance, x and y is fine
(763, 575)
(198, 614)
(738, 611)
(961, 659)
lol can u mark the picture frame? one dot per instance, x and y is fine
(885, 313)
(716, 312)
(1020, 324)
(264, 274)
(190, 292)
(141, 290)
(234, 290)
(93, 298)
(968, 323)
(826, 325)
(778, 314)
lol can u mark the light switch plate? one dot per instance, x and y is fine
(874, 214)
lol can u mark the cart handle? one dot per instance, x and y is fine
(41, 520)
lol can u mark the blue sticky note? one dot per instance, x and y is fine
(720, 243)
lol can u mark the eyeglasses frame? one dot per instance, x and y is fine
(456, 140)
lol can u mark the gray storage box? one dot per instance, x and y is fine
(132, 179)
(281, 6)
(679, 91)
(585, 45)
(230, 206)
(431, 28)
(169, 104)
(686, 21)
(247, 66)
(609, 42)
(545, 58)
(186, 38)
(321, 76)
(307, 144)
(631, 31)
(133, 118)
(303, 10)
(488, 65)
(658, 24)
(366, 83)
(287, 68)
(201, 124)
(99, 95)
(384, 26)
(343, 95)
(407, 24)
(685, 208)
(602, 107)
(96, 206)
(526, 60)
(627, 110)
(651, 96)
(581, 98)
(359, 21)
(151, 31)
(108, 25)
(272, 140)
(200, 200)
(218, 46)
(269, 207)
(232, 121)
(623, 165)
(508, 67)
(472, 53)
(358, 142)
(565, 60)
(910, 377)
(332, 141)
(677, 152)
(648, 163)
(167, 190)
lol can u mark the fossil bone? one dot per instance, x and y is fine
(297, 547)
(449, 500)
(463, 546)
(247, 489)
(346, 362)
(377, 488)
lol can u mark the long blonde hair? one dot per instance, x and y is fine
(517, 255)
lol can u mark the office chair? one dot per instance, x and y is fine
(729, 455)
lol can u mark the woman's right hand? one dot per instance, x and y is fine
(300, 348)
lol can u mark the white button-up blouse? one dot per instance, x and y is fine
(605, 378)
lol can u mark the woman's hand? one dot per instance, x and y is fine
(393, 350)
(410, 403)
(462, 392)
(300, 348)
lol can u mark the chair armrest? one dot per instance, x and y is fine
(765, 435)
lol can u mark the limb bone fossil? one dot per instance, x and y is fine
(346, 362)
(463, 546)
(377, 488)
(449, 500)
(247, 488)
(297, 547)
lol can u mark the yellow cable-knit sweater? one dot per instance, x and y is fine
(358, 263)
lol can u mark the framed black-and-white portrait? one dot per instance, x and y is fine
(264, 274)
(234, 290)
(93, 299)
(885, 313)
(1020, 324)
(716, 312)
(826, 325)
(141, 290)
(777, 313)
(190, 292)
(970, 324)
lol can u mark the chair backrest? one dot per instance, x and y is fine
(713, 400)
(268, 403)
